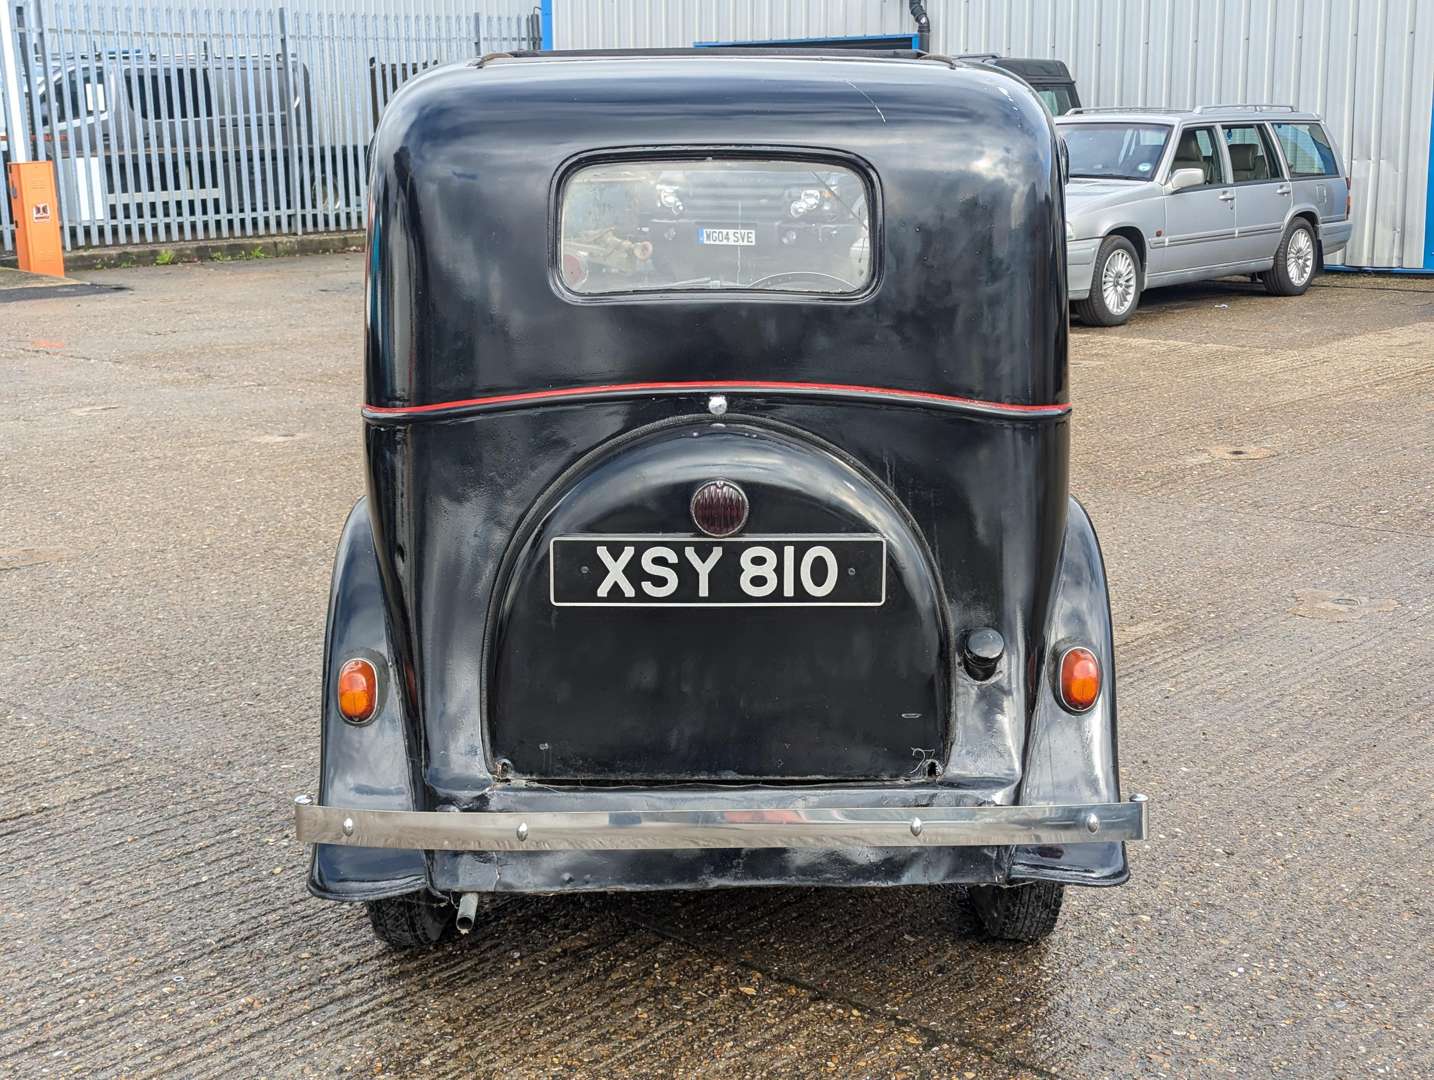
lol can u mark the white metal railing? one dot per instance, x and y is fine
(179, 121)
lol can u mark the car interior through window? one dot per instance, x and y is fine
(1197, 150)
(1115, 151)
(1252, 158)
(672, 225)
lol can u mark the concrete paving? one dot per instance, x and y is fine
(11, 278)
(175, 464)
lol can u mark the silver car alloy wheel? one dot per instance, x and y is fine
(1299, 256)
(1117, 282)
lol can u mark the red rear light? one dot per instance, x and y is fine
(357, 690)
(719, 508)
(1079, 679)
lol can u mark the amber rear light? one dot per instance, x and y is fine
(358, 690)
(1079, 679)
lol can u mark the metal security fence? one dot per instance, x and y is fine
(194, 121)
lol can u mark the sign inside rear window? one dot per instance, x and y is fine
(719, 224)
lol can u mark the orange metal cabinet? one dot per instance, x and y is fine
(37, 217)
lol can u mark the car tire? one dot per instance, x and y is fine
(1296, 260)
(414, 921)
(1025, 912)
(1116, 281)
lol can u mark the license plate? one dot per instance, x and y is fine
(729, 237)
(750, 571)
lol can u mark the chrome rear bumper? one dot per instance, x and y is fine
(767, 827)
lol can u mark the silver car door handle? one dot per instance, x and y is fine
(1226, 196)
(1283, 189)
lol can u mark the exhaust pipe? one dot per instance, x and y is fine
(467, 911)
(923, 25)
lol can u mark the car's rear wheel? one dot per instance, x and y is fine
(1295, 261)
(1115, 284)
(414, 921)
(1025, 912)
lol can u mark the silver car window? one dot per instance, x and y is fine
(1307, 150)
(1115, 151)
(1197, 150)
(176, 93)
(1252, 158)
(75, 96)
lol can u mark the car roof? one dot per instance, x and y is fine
(1028, 67)
(1201, 113)
(961, 156)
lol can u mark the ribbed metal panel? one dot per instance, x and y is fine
(1366, 65)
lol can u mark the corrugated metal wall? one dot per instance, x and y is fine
(1366, 65)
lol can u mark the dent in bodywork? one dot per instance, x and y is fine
(365, 765)
(712, 868)
(706, 868)
(1072, 757)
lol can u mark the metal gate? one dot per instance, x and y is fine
(195, 121)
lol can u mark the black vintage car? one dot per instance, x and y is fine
(676, 578)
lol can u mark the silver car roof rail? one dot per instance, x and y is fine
(1086, 109)
(1244, 108)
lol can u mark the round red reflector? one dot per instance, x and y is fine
(575, 270)
(358, 690)
(1080, 679)
(719, 508)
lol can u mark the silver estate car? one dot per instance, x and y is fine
(1159, 197)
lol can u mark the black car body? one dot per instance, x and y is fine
(663, 583)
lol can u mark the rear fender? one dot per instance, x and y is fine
(1071, 758)
(365, 765)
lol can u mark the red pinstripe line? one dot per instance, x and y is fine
(720, 384)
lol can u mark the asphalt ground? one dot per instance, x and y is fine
(176, 461)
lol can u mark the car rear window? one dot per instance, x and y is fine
(1058, 99)
(669, 225)
(1307, 150)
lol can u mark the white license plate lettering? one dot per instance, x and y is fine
(703, 566)
(728, 237)
(615, 575)
(818, 576)
(659, 571)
